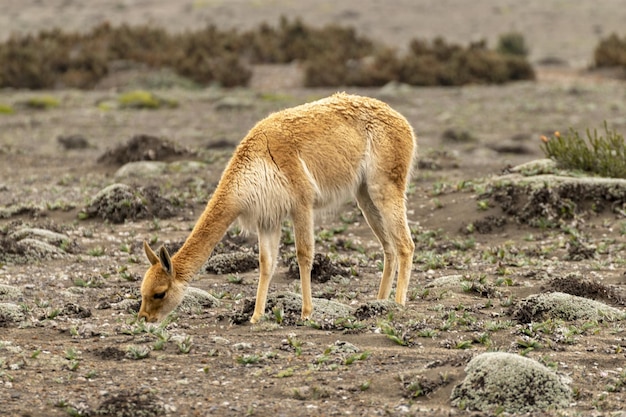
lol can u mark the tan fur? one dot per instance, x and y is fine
(294, 162)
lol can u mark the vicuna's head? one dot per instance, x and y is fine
(161, 292)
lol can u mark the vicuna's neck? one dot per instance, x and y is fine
(218, 215)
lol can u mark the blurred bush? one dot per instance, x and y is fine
(611, 52)
(296, 41)
(440, 63)
(435, 63)
(331, 56)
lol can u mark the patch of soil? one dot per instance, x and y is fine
(324, 268)
(553, 202)
(73, 142)
(243, 314)
(488, 224)
(579, 249)
(374, 308)
(452, 360)
(118, 203)
(145, 148)
(575, 284)
(423, 385)
(75, 311)
(110, 353)
(131, 404)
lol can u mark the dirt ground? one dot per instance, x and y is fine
(73, 346)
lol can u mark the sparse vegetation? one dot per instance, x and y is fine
(485, 247)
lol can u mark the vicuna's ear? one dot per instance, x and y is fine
(166, 261)
(152, 257)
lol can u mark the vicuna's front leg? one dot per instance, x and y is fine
(305, 244)
(268, 252)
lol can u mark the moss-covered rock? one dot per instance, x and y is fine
(324, 311)
(8, 292)
(536, 167)
(322, 308)
(120, 202)
(141, 169)
(116, 203)
(196, 299)
(10, 314)
(558, 305)
(228, 263)
(40, 234)
(25, 244)
(448, 282)
(511, 383)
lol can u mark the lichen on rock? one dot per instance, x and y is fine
(511, 383)
(195, 299)
(228, 263)
(558, 305)
(120, 202)
(10, 314)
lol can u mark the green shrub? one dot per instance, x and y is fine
(611, 52)
(605, 156)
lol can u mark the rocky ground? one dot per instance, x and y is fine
(526, 261)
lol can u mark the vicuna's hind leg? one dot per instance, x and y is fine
(268, 252)
(389, 218)
(305, 245)
(375, 221)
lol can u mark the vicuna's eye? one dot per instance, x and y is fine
(159, 296)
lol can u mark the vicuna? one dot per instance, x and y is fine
(294, 162)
